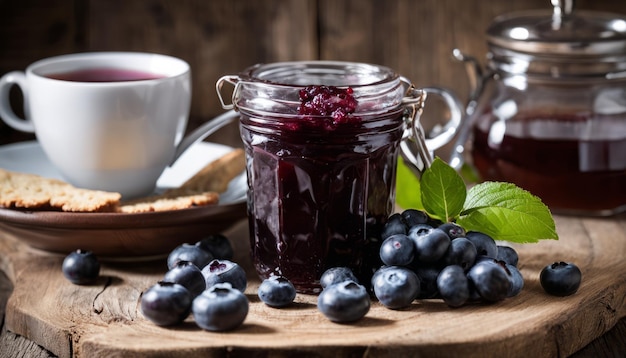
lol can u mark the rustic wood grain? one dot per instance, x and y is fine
(29, 31)
(15, 346)
(104, 319)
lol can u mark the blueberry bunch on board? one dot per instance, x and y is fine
(423, 259)
(426, 259)
(202, 281)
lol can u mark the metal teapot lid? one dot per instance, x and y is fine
(560, 43)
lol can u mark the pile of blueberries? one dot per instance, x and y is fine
(425, 259)
(202, 280)
(421, 259)
(442, 260)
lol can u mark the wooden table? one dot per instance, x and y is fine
(104, 319)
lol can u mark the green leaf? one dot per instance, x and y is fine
(507, 212)
(443, 191)
(407, 188)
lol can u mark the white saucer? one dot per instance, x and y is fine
(29, 157)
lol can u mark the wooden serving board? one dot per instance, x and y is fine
(104, 319)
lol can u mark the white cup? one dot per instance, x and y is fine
(114, 135)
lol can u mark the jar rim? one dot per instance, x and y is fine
(319, 72)
(275, 87)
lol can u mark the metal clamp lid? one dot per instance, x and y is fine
(560, 32)
(561, 44)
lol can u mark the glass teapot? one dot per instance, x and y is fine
(549, 111)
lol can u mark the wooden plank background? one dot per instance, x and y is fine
(223, 37)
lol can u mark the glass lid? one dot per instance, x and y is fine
(561, 31)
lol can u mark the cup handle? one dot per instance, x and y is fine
(204, 131)
(416, 149)
(6, 112)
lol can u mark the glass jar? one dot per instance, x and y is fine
(550, 113)
(320, 189)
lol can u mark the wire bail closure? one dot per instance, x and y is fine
(233, 80)
(413, 146)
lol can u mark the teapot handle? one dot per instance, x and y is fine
(477, 80)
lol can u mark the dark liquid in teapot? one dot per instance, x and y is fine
(574, 163)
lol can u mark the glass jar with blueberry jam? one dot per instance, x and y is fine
(549, 114)
(322, 139)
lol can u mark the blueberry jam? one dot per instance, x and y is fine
(321, 184)
(335, 105)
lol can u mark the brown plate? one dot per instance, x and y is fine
(115, 234)
(118, 234)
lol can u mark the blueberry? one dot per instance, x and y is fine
(430, 245)
(220, 308)
(560, 278)
(397, 250)
(336, 275)
(474, 296)
(428, 281)
(189, 252)
(517, 280)
(81, 267)
(218, 245)
(344, 302)
(508, 255)
(219, 271)
(395, 287)
(166, 303)
(453, 230)
(453, 286)
(419, 229)
(187, 274)
(491, 279)
(414, 217)
(460, 252)
(395, 225)
(485, 245)
(480, 258)
(277, 291)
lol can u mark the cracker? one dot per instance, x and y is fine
(202, 188)
(216, 175)
(165, 202)
(30, 191)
